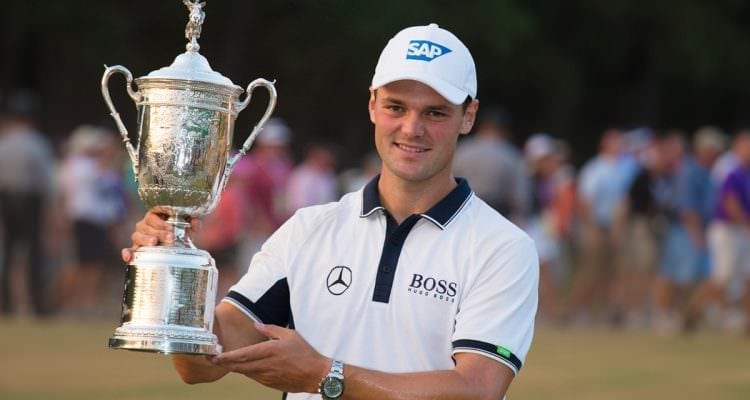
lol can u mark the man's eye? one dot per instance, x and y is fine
(393, 108)
(436, 114)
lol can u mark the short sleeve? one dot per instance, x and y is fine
(496, 315)
(263, 292)
(731, 185)
(587, 181)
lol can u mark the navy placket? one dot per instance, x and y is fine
(395, 236)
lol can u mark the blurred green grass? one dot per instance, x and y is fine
(69, 360)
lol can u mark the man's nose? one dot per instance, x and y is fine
(413, 124)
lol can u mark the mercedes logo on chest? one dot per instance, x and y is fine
(339, 279)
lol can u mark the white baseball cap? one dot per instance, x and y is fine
(538, 146)
(431, 55)
(275, 133)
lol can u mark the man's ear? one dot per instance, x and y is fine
(470, 115)
(371, 105)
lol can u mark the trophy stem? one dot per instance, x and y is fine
(180, 230)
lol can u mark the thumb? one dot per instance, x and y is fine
(271, 331)
(127, 255)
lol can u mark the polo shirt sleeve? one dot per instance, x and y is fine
(263, 292)
(496, 314)
(587, 181)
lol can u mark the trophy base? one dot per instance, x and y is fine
(164, 346)
(168, 303)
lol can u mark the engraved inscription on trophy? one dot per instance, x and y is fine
(186, 118)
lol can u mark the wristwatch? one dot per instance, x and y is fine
(332, 386)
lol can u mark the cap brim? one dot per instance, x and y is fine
(448, 91)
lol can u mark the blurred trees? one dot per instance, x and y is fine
(570, 68)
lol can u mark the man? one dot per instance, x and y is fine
(26, 186)
(689, 206)
(638, 228)
(314, 180)
(93, 200)
(602, 185)
(260, 181)
(549, 224)
(410, 288)
(494, 166)
(728, 241)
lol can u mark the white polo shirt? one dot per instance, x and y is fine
(398, 298)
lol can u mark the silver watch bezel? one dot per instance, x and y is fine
(336, 374)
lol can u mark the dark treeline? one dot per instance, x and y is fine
(570, 68)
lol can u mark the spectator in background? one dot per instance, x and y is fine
(728, 240)
(551, 217)
(729, 161)
(221, 232)
(93, 196)
(685, 256)
(602, 185)
(639, 228)
(354, 179)
(314, 181)
(494, 166)
(26, 183)
(264, 173)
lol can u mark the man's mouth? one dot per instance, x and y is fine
(411, 149)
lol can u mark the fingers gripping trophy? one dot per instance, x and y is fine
(186, 115)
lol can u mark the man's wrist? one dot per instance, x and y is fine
(332, 385)
(322, 367)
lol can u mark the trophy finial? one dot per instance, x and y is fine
(195, 21)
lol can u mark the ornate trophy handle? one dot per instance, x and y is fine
(108, 72)
(271, 105)
(232, 161)
(259, 127)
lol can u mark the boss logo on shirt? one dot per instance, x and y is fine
(439, 289)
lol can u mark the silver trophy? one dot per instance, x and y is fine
(186, 115)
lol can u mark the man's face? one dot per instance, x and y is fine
(416, 130)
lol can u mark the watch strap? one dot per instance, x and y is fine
(337, 369)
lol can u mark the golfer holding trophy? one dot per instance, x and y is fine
(186, 115)
(409, 288)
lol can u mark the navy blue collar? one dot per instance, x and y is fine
(441, 214)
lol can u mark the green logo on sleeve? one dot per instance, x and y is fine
(503, 351)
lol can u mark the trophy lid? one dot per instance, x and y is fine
(191, 65)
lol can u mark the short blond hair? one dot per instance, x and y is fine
(710, 138)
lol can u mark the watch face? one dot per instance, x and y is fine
(332, 387)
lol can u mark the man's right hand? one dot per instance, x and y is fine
(153, 229)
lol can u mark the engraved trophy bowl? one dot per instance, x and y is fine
(186, 115)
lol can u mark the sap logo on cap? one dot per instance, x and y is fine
(424, 50)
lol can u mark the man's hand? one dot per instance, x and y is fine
(152, 230)
(286, 362)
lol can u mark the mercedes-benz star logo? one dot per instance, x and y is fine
(339, 279)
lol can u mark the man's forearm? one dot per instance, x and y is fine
(735, 212)
(366, 384)
(476, 383)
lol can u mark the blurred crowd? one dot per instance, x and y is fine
(651, 233)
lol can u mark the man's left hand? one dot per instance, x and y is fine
(286, 362)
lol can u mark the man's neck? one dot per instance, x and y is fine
(403, 198)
